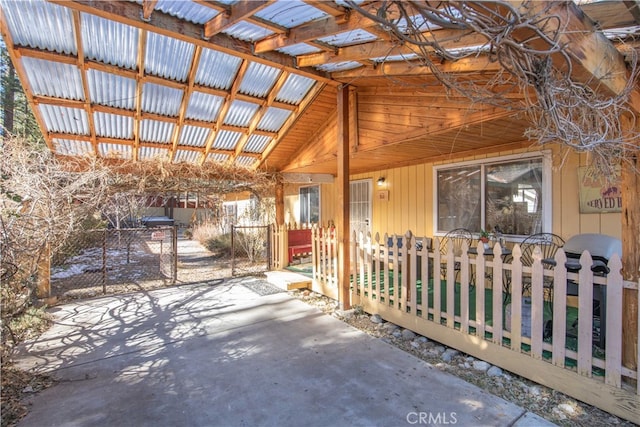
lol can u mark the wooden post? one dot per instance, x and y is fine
(343, 214)
(630, 219)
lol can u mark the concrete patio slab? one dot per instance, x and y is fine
(227, 354)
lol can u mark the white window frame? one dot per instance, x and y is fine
(547, 187)
(319, 202)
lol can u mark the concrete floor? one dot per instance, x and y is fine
(220, 354)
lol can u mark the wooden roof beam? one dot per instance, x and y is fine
(415, 68)
(595, 61)
(313, 30)
(449, 39)
(235, 13)
(147, 8)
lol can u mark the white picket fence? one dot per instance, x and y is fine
(388, 277)
(394, 276)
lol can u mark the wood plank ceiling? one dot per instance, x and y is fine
(252, 83)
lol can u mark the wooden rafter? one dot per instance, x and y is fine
(85, 85)
(235, 13)
(185, 100)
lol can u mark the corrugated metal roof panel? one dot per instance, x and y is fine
(156, 131)
(162, 100)
(339, 66)
(40, 25)
(109, 41)
(348, 38)
(247, 32)
(187, 156)
(203, 106)
(194, 136)
(113, 125)
(256, 143)
(168, 57)
(218, 157)
(111, 90)
(295, 89)
(150, 153)
(240, 113)
(115, 151)
(290, 13)
(72, 147)
(64, 119)
(299, 49)
(226, 140)
(258, 80)
(217, 69)
(187, 10)
(53, 79)
(273, 119)
(246, 161)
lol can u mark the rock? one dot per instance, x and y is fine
(494, 371)
(415, 344)
(480, 365)
(376, 318)
(470, 359)
(439, 349)
(408, 334)
(467, 365)
(559, 414)
(534, 391)
(449, 354)
(567, 409)
(390, 327)
(397, 333)
(344, 314)
(423, 340)
(28, 389)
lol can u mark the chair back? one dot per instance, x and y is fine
(458, 236)
(547, 242)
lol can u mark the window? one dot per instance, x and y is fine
(509, 194)
(310, 204)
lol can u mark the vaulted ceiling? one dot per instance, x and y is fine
(255, 83)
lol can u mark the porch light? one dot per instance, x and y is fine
(381, 181)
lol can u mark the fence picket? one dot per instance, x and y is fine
(516, 300)
(437, 286)
(585, 315)
(496, 275)
(412, 264)
(613, 322)
(559, 310)
(537, 304)
(480, 288)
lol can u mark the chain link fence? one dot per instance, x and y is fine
(98, 261)
(250, 249)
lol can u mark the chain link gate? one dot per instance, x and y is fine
(128, 258)
(250, 249)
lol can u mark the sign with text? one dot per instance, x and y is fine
(597, 195)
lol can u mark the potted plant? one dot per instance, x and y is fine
(484, 236)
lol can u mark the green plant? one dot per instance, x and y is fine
(484, 235)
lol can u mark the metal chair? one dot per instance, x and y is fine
(458, 236)
(549, 244)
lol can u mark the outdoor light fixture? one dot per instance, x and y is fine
(381, 181)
